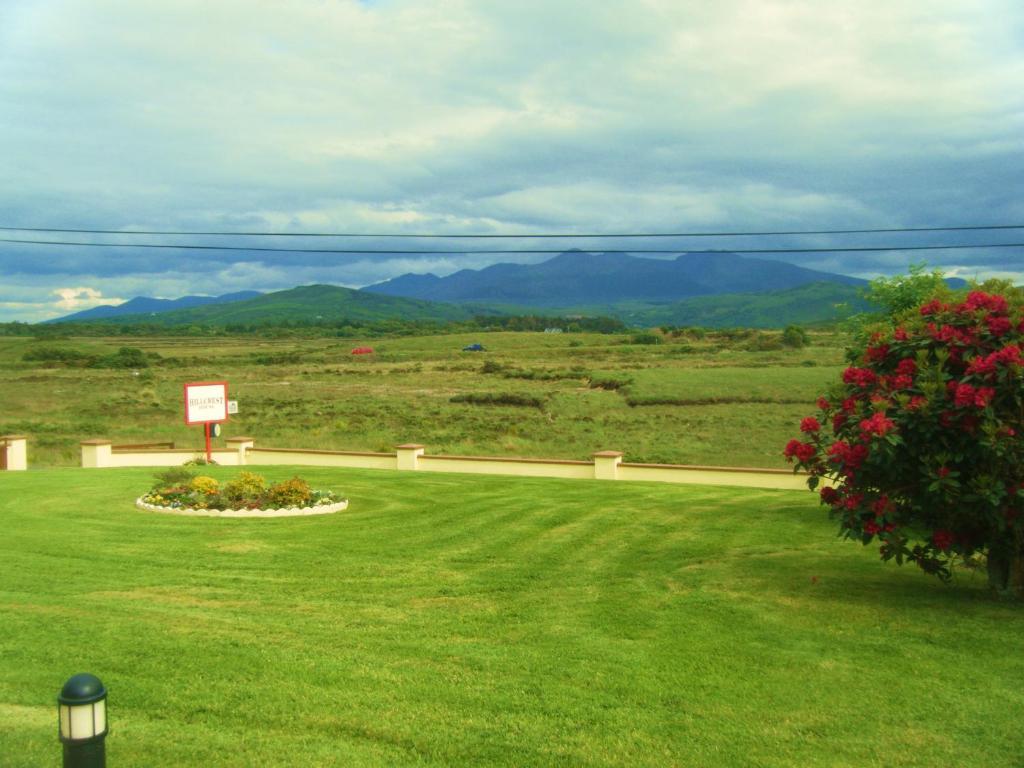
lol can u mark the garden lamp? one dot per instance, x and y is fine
(82, 707)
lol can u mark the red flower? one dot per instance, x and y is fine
(871, 527)
(877, 354)
(900, 334)
(942, 539)
(829, 495)
(906, 367)
(860, 377)
(917, 402)
(932, 307)
(943, 471)
(804, 452)
(877, 425)
(850, 456)
(901, 382)
(823, 404)
(998, 326)
(990, 301)
(963, 394)
(810, 424)
(983, 396)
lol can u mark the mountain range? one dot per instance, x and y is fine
(143, 305)
(706, 288)
(583, 278)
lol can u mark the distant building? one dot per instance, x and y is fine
(553, 330)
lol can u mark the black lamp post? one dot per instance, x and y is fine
(82, 706)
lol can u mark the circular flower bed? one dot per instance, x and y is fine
(180, 492)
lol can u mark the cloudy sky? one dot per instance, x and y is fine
(533, 116)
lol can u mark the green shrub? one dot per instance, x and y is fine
(247, 485)
(645, 338)
(175, 476)
(795, 336)
(289, 493)
(495, 398)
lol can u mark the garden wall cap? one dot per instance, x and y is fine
(82, 689)
(607, 454)
(96, 441)
(13, 437)
(241, 440)
(410, 445)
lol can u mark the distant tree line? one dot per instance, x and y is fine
(319, 328)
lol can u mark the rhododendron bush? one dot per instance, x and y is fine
(920, 448)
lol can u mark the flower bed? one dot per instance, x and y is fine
(179, 491)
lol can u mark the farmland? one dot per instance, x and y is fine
(726, 398)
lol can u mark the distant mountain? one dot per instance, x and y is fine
(308, 303)
(144, 305)
(582, 278)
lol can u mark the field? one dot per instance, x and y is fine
(723, 398)
(492, 621)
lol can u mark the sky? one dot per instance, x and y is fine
(459, 117)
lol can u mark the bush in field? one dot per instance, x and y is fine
(795, 336)
(645, 338)
(248, 485)
(290, 493)
(923, 440)
(202, 484)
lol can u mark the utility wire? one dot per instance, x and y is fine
(513, 236)
(960, 246)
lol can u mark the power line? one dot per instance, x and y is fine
(604, 235)
(396, 252)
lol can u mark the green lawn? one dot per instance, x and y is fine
(455, 620)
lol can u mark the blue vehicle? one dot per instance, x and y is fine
(474, 348)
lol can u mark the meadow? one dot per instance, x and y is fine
(446, 620)
(724, 398)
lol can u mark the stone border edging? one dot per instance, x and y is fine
(323, 509)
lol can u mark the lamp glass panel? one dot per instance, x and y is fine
(99, 714)
(82, 722)
(65, 721)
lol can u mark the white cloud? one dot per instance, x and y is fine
(75, 299)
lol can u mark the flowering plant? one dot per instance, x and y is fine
(180, 489)
(920, 447)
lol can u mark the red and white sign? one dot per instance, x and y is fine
(206, 402)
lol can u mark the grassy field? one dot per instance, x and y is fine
(721, 399)
(446, 620)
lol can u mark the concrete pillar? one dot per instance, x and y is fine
(16, 447)
(96, 453)
(407, 456)
(241, 444)
(606, 465)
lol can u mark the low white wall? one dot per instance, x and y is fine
(744, 478)
(354, 460)
(580, 470)
(606, 465)
(167, 457)
(15, 448)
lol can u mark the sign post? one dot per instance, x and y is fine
(206, 403)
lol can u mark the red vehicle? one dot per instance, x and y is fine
(362, 351)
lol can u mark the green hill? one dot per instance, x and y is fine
(307, 303)
(811, 304)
